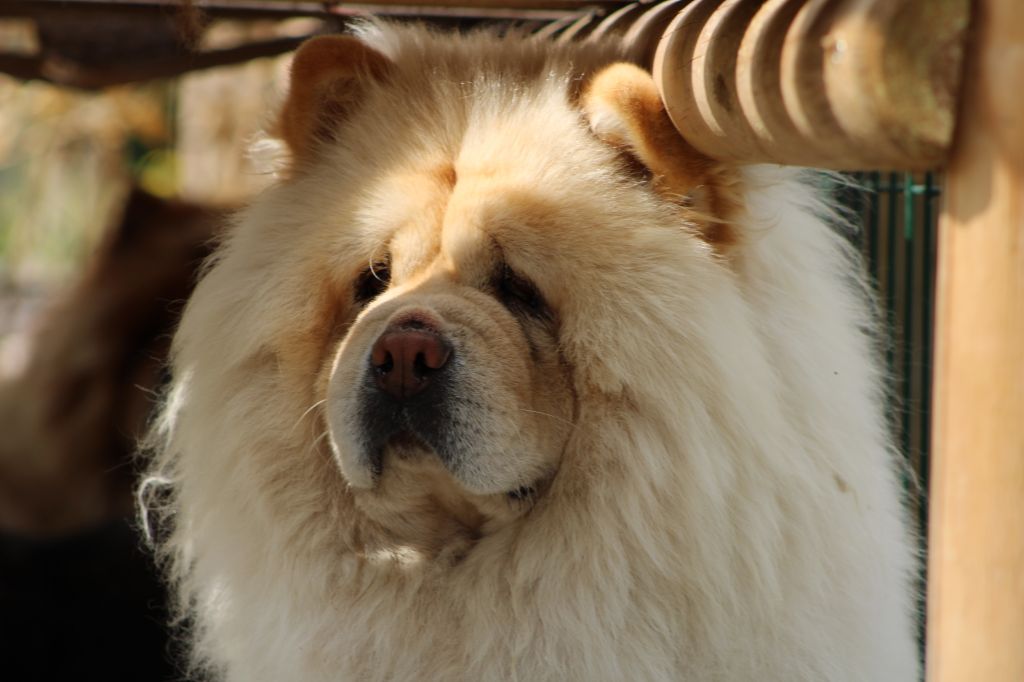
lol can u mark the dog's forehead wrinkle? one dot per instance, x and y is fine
(465, 251)
(457, 203)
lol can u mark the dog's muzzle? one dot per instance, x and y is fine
(406, 395)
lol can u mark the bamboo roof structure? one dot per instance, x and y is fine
(98, 43)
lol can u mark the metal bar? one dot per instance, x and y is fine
(927, 303)
(927, 299)
(908, 317)
(873, 184)
(890, 277)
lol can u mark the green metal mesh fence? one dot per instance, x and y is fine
(899, 214)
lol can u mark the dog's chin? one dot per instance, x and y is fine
(405, 451)
(406, 445)
(417, 504)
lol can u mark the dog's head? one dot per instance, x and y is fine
(456, 265)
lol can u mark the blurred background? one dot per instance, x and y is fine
(109, 199)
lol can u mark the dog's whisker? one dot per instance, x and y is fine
(306, 413)
(548, 414)
(318, 440)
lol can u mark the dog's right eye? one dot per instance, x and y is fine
(372, 282)
(520, 294)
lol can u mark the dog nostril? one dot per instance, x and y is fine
(404, 360)
(381, 359)
(419, 366)
(386, 366)
(434, 355)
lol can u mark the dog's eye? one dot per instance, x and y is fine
(372, 282)
(520, 294)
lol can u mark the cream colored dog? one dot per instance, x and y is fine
(503, 381)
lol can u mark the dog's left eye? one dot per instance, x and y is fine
(372, 282)
(520, 294)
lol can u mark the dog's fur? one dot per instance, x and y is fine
(669, 461)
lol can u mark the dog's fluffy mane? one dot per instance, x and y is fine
(727, 507)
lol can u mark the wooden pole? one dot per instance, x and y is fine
(976, 582)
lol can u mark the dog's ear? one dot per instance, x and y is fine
(624, 109)
(329, 76)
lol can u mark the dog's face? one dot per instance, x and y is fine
(494, 383)
(449, 280)
(454, 356)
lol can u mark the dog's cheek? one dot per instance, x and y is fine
(595, 370)
(534, 414)
(310, 329)
(555, 402)
(345, 375)
(494, 430)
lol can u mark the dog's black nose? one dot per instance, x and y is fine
(404, 359)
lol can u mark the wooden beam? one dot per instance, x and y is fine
(62, 72)
(844, 84)
(318, 8)
(143, 39)
(976, 581)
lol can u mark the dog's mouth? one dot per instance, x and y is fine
(524, 493)
(405, 445)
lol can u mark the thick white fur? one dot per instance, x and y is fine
(727, 508)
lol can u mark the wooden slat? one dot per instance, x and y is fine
(642, 36)
(758, 85)
(618, 21)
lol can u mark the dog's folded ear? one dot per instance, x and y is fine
(624, 109)
(329, 76)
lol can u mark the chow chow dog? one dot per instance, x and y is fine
(501, 380)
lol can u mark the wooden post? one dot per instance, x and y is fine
(976, 582)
